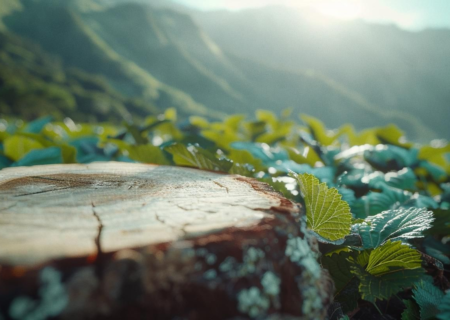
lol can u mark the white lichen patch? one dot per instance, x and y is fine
(53, 299)
(251, 257)
(298, 250)
(210, 259)
(271, 284)
(252, 302)
(211, 274)
(311, 300)
(228, 265)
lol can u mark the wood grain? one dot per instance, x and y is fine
(125, 241)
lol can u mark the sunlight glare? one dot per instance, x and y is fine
(344, 10)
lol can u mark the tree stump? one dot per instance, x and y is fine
(133, 241)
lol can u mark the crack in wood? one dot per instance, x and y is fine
(40, 192)
(220, 185)
(99, 260)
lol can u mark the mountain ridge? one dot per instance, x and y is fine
(166, 58)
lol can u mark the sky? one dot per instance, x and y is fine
(407, 14)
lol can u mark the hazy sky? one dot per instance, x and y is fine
(408, 14)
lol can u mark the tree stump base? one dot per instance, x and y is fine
(133, 241)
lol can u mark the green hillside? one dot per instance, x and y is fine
(60, 30)
(34, 83)
(164, 59)
(389, 68)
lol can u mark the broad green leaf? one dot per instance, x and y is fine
(393, 256)
(244, 157)
(4, 161)
(18, 146)
(262, 151)
(376, 202)
(199, 122)
(242, 169)
(436, 172)
(412, 311)
(196, 157)
(309, 156)
(22, 143)
(52, 155)
(146, 153)
(382, 287)
(268, 117)
(36, 126)
(234, 122)
(346, 283)
(402, 224)
(428, 152)
(391, 134)
(326, 213)
(389, 157)
(171, 114)
(428, 297)
(404, 179)
(444, 307)
(319, 131)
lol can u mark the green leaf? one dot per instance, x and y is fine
(145, 153)
(444, 307)
(18, 146)
(404, 179)
(393, 256)
(428, 297)
(346, 283)
(412, 311)
(198, 158)
(376, 202)
(319, 131)
(36, 126)
(402, 224)
(326, 213)
(374, 288)
(391, 134)
(244, 157)
(52, 155)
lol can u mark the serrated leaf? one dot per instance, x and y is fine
(404, 179)
(402, 224)
(374, 288)
(412, 311)
(375, 202)
(196, 157)
(392, 256)
(345, 282)
(326, 213)
(444, 307)
(428, 297)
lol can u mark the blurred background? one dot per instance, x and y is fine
(368, 63)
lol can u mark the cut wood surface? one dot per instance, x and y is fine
(76, 220)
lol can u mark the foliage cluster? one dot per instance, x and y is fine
(378, 204)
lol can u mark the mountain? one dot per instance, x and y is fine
(389, 68)
(58, 28)
(162, 57)
(34, 83)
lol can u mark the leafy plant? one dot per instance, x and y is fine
(378, 205)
